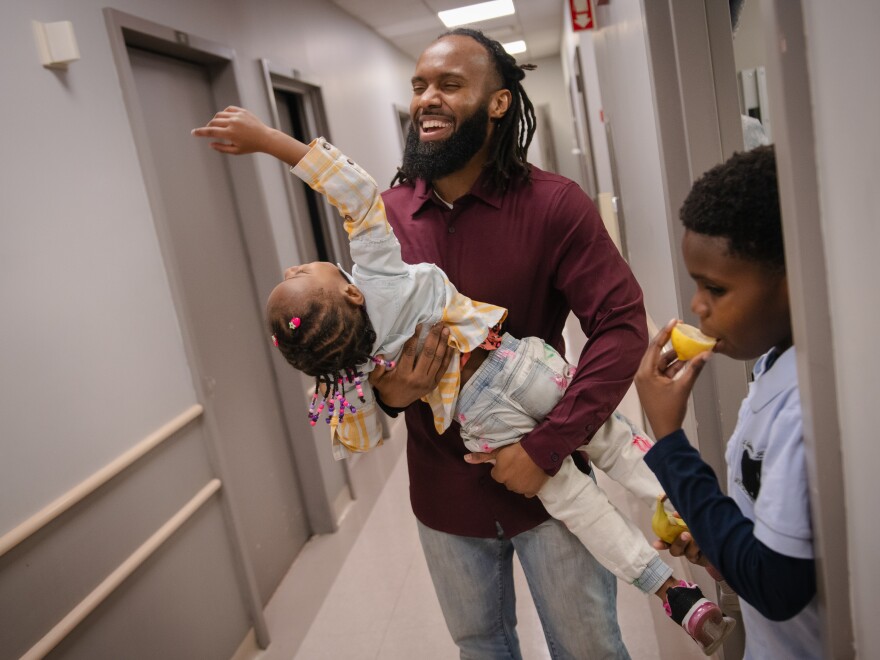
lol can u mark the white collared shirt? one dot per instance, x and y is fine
(767, 477)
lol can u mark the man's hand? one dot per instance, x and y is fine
(664, 383)
(514, 468)
(415, 374)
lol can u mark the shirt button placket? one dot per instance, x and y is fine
(450, 220)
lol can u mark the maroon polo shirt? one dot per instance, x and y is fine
(540, 250)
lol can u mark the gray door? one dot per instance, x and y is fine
(217, 304)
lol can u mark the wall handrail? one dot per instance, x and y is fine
(88, 604)
(85, 488)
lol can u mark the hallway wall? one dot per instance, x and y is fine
(843, 54)
(91, 350)
(84, 286)
(545, 86)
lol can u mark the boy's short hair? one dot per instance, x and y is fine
(739, 200)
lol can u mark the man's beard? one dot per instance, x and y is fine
(434, 160)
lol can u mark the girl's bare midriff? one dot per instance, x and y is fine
(472, 364)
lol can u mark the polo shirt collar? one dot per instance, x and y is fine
(771, 382)
(482, 190)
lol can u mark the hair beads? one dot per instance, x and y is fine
(388, 364)
(333, 397)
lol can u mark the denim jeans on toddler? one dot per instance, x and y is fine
(515, 387)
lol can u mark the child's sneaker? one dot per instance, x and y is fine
(700, 617)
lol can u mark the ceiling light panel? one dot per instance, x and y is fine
(514, 47)
(476, 13)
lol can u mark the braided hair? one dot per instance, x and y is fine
(514, 131)
(330, 339)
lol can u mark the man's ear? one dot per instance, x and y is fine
(499, 103)
(352, 294)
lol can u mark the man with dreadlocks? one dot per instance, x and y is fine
(534, 243)
(331, 325)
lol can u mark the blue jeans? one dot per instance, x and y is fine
(575, 596)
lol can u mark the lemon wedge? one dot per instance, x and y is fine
(689, 342)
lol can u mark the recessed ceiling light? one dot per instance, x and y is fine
(476, 13)
(514, 47)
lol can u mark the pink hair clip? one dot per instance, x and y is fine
(275, 341)
(294, 323)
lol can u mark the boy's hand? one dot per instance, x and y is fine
(664, 383)
(240, 130)
(415, 374)
(684, 546)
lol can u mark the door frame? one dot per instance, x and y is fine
(126, 31)
(788, 86)
(580, 113)
(403, 120)
(277, 79)
(259, 241)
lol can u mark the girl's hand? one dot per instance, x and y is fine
(664, 383)
(240, 131)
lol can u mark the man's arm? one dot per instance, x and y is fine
(603, 293)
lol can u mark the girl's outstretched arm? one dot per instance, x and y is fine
(241, 132)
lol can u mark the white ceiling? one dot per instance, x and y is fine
(412, 24)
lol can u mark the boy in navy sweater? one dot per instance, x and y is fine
(760, 537)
